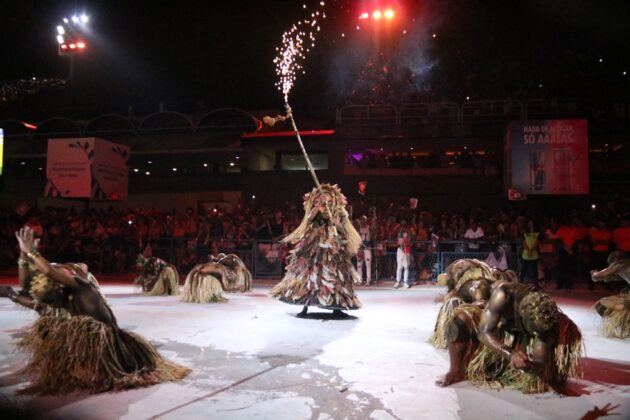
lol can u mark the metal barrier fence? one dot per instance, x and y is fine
(266, 259)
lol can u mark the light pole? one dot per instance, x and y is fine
(71, 39)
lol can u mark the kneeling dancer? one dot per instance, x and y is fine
(157, 277)
(224, 273)
(520, 340)
(88, 351)
(468, 283)
(320, 270)
(615, 310)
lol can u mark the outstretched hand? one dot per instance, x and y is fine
(26, 239)
(6, 291)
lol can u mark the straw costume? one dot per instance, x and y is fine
(520, 340)
(157, 277)
(87, 351)
(320, 270)
(468, 282)
(206, 282)
(614, 310)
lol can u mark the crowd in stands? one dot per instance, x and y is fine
(108, 240)
(12, 90)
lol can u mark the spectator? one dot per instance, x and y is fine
(403, 254)
(364, 257)
(621, 235)
(530, 256)
(474, 234)
(601, 239)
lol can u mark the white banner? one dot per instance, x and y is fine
(86, 168)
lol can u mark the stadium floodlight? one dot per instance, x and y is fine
(71, 36)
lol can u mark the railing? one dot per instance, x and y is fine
(266, 259)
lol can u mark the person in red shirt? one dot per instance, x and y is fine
(621, 235)
(601, 239)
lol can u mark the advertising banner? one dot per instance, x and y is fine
(547, 157)
(68, 164)
(86, 168)
(109, 171)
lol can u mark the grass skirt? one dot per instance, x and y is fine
(82, 354)
(473, 313)
(202, 288)
(438, 339)
(167, 283)
(616, 316)
(491, 369)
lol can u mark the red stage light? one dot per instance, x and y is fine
(80, 45)
(73, 46)
(364, 15)
(389, 14)
(64, 46)
(377, 15)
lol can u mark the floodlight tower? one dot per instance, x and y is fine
(71, 38)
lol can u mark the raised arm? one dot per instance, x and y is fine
(23, 271)
(26, 241)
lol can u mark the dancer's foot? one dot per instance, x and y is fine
(303, 313)
(450, 378)
(397, 285)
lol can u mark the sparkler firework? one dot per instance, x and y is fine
(296, 43)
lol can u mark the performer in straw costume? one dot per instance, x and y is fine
(320, 270)
(87, 351)
(207, 282)
(157, 277)
(615, 310)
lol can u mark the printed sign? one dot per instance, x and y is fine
(86, 168)
(547, 157)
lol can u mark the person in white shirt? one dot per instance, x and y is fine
(474, 234)
(364, 257)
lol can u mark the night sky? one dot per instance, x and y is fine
(222, 52)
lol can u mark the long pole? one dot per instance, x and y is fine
(299, 138)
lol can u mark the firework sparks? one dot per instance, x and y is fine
(296, 43)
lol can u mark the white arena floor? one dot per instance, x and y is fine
(252, 359)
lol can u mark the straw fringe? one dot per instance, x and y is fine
(202, 288)
(491, 369)
(167, 283)
(438, 338)
(320, 270)
(616, 322)
(82, 354)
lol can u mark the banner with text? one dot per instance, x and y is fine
(547, 157)
(86, 168)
